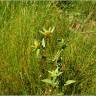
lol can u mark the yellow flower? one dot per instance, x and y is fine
(47, 33)
(36, 44)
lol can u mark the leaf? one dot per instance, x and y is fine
(52, 73)
(59, 73)
(37, 52)
(62, 41)
(43, 43)
(47, 81)
(60, 94)
(55, 73)
(69, 82)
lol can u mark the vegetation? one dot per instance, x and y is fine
(47, 45)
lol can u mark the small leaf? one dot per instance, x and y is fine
(43, 43)
(62, 41)
(69, 82)
(37, 52)
(59, 73)
(56, 70)
(52, 73)
(60, 94)
(47, 81)
(55, 73)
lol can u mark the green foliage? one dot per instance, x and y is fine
(69, 82)
(23, 63)
(53, 74)
(54, 79)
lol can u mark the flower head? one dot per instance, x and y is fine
(36, 44)
(47, 33)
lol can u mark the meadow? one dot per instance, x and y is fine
(38, 36)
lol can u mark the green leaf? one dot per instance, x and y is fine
(43, 43)
(47, 81)
(60, 94)
(37, 52)
(52, 74)
(69, 82)
(55, 73)
(59, 73)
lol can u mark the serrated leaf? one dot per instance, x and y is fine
(69, 82)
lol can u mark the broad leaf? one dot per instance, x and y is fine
(47, 81)
(69, 82)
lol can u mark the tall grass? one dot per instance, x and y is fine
(20, 23)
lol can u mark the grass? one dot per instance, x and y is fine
(20, 23)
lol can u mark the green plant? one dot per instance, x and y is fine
(53, 80)
(54, 75)
(21, 59)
